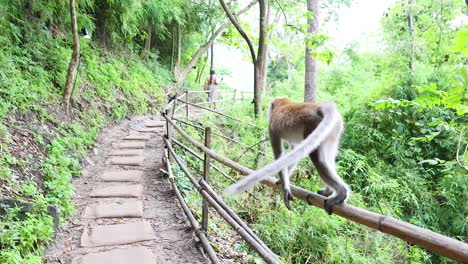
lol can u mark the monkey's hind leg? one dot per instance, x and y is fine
(284, 178)
(277, 147)
(333, 181)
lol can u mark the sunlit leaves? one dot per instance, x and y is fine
(460, 42)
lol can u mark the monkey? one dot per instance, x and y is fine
(312, 129)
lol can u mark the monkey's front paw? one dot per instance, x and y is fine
(324, 192)
(288, 197)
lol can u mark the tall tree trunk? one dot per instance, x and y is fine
(148, 38)
(74, 61)
(411, 33)
(101, 16)
(212, 56)
(179, 54)
(200, 70)
(311, 67)
(258, 88)
(173, 50)
(260, 64)
(266, 49)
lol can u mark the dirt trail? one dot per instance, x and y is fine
(125, 213)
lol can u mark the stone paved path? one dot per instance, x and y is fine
(126, 212)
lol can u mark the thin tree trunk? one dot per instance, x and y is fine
(148, 39)
(258, 87)
(266, 50)
(72, 67)
(179, 54)
(200, 71)
(411, 33)
(260, 63)
(212, 57)
(173, 50)
(311, 67)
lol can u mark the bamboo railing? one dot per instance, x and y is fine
(437, 243)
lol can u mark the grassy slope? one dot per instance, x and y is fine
(40, 148)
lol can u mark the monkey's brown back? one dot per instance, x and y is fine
(286, 116)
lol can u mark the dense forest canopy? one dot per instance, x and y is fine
(405, 104)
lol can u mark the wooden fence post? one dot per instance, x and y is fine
(168, 134)
(206, 172)
(186, 105)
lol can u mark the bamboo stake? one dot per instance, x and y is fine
(270, 259)
(205, 243)
(234, 216)
(206, 173)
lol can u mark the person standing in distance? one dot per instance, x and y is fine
(211, 84)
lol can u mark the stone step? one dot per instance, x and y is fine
(129, 144)
(127, 152)
(122, 176)
(155, 123)
(137, 137)
(149, 129)
(120, 234)
(123, 190)
(114, 210)
(134, 255)
(128, 161)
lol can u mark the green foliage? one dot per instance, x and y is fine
(398, 149)
(109, 86)
(22, 236)
(461, 41)
(62, 164)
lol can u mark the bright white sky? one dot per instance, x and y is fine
(360, 22)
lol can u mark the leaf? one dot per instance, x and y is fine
(460, 42)
(429, 161)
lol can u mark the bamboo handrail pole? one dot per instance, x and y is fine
(204, 103)
(189, 150)
(216, 112)
(206, 91)
(243, 233)
(167, 107)
(425, 238)
(222, 136)
(269, 258)
(214, 132)
(178, 108)
(226, 208)
(205, 243)
(182, 95)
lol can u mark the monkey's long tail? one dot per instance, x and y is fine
(308, 145)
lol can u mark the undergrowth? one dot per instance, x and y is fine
(110, 86)
(307, 234)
